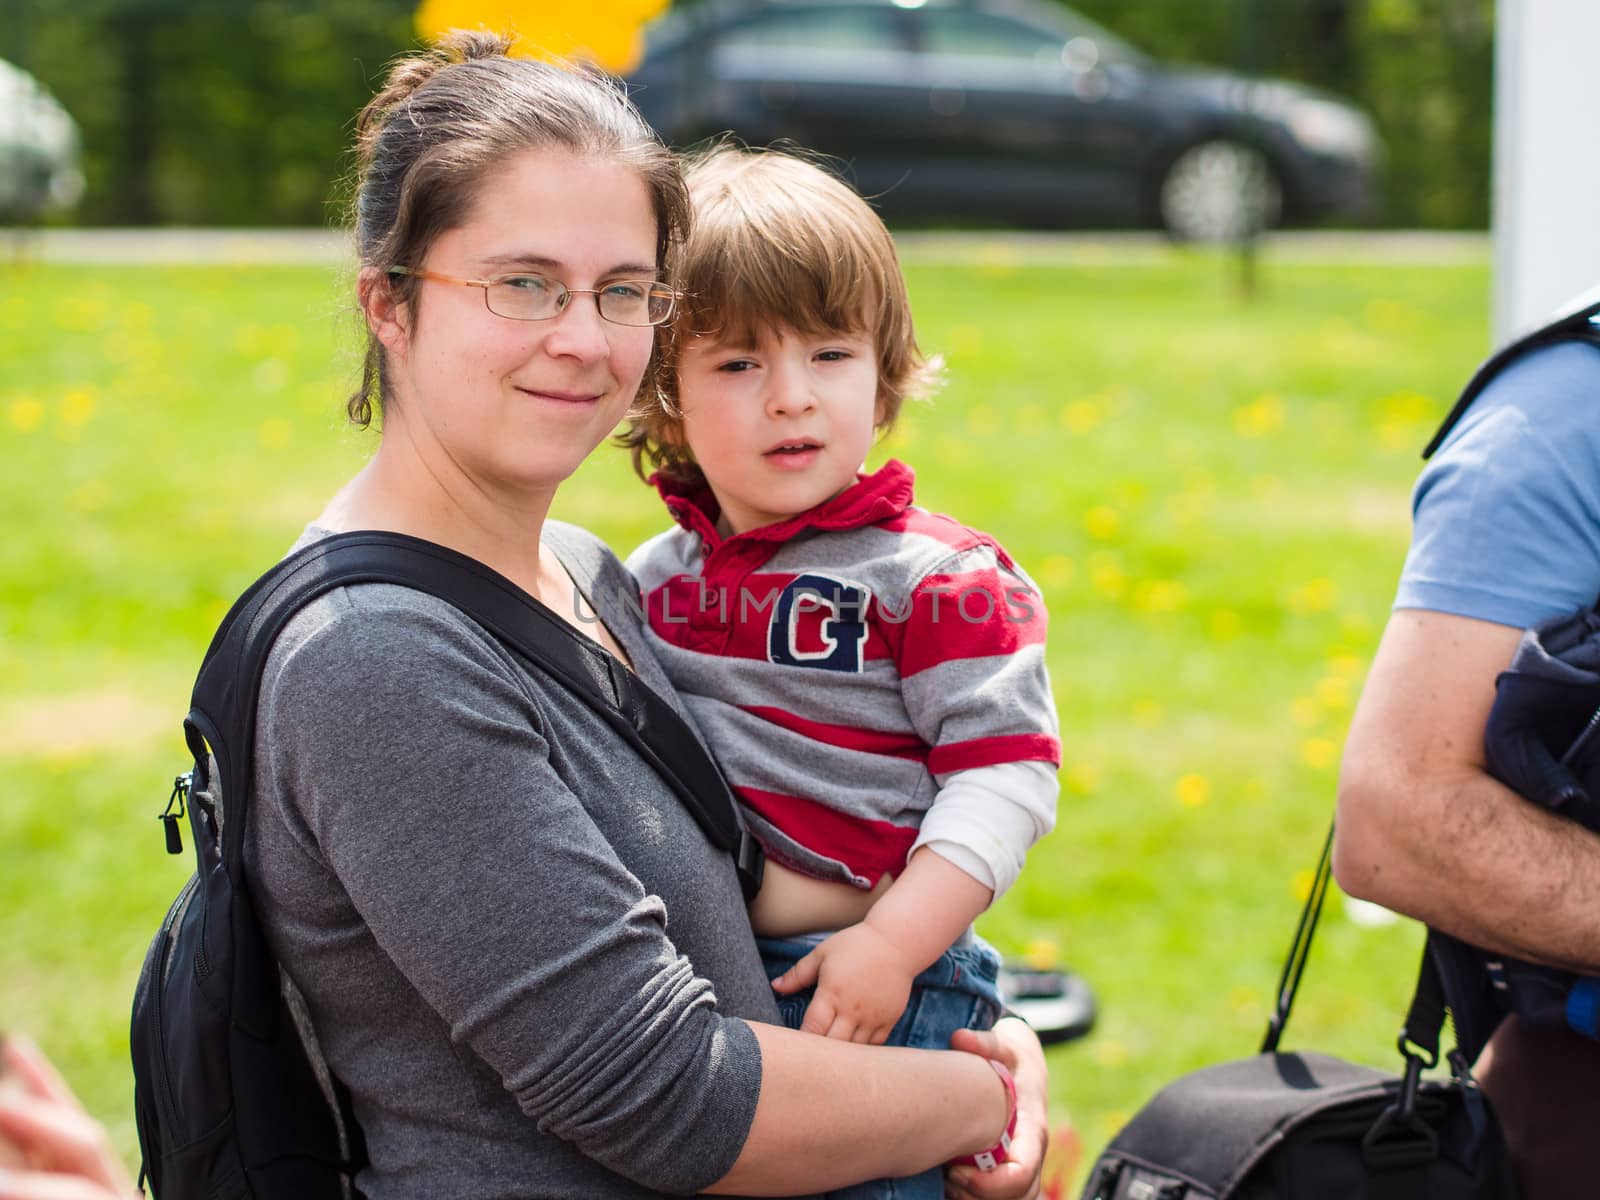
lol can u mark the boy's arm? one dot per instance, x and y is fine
(863, 974)
(970, 651)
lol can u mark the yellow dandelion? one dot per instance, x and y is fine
(1160, 596)
(1193, 790)
(1107, 577)
(1112, 1121)
(966, 339)
(275, 433)
(1318, 596)
(1147, 713)
(1224, 624)
(25, 413)
(1407, 408)
(1042, 954)
(1101, 522)
(77, 406)
(1260, 417)
(1305, 711)
(1300, 884)
(252, 341)
(1346, 666)
(1397, 435)
(1333, 691)
(1320, 754)
(1081, 416)
(1082, 779)
(1109, 1052)
(999, 259)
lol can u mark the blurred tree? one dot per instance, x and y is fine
(204, 113)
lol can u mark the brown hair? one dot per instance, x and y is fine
(778, 242)
(446, 119)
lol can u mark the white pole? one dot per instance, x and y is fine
(1546, 206)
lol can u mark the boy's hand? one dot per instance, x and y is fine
(863, 981)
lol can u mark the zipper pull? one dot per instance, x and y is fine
(169, 819)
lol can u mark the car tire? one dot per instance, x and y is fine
(1219, 190)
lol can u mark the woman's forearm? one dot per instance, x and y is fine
(833, 1113)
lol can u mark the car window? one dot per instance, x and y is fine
(983, 35)
(818, 29)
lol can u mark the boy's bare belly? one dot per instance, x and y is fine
(790, 903)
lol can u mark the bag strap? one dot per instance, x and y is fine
(1574, 323)
(1425, 1017)
(1300, 949)
(223, 707)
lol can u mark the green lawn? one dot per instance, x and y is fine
(1213, 495)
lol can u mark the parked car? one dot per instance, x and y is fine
(1009, 110)
(39, 163)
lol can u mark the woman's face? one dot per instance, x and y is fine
(514, 406)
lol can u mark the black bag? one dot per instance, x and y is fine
(1302, 1126)
(231, 1096)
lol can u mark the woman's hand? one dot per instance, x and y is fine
(61, 1152)
(1015, 1045)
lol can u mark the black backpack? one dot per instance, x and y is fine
(231, 1095)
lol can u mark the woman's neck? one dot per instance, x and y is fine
(402, 491)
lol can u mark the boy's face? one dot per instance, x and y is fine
(779, 427)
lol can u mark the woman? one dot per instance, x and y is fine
(490, 904)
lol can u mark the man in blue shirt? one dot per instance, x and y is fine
(1506, 533)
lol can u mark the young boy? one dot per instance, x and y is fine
(869, 675)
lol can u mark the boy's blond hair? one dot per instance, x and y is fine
(776, 243)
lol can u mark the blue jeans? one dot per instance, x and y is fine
(956, 992)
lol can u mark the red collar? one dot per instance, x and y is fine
(871, 498)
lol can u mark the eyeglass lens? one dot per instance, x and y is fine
(538, 298)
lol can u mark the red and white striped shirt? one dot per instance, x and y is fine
(839, 661)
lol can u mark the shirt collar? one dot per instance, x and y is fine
(885, 493)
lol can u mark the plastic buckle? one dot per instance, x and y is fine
(1399, 1138)
(751, 863)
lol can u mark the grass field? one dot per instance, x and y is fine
(1213, 495)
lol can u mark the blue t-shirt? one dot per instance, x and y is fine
(1506, 516)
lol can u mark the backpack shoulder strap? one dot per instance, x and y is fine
(1573, 323)
(223, 708)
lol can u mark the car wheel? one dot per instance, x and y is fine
(1219, 191)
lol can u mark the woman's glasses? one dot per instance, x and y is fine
(540, 298)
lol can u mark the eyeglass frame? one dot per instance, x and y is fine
(566, 294)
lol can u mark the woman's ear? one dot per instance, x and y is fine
(386, 316)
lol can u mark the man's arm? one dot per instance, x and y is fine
(1424, 830)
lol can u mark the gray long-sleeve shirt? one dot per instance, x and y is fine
(470, 876)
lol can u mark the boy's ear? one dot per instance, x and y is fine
(386, 317)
